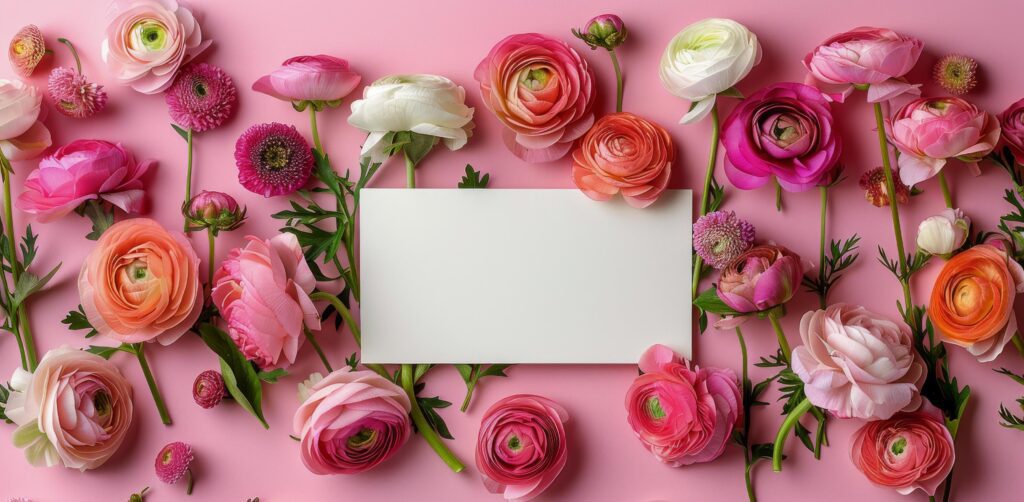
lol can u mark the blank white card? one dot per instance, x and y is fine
(522, 276)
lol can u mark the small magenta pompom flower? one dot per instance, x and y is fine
(208, 389)
(26, 50)
(175, 462)
(73, 94)
(873, 184)
(956, 73)
(720, 236)
(202, 97)
(273, 159)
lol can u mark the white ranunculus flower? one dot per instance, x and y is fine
(706, 58)
(425, 104)
(943, 233)
(22, 135)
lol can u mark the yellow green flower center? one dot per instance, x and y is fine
(362, 439)
(152, 34)
(275, 155)
(535, 78)
(514, 443)
(654, 409)
(899, 446)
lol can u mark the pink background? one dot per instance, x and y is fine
(238, 459)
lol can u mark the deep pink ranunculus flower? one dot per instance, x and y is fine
(521, 447)
(683, 416)
(929, 131)
(319, 78)
(876, 57)
(1011, 121)
(761, 278)
(83, 170)
(542, 90)
(784, 130)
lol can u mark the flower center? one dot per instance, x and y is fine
(654, 409)
(966, 296)
(275, 155)
(199, 89)
(362, 439)
(20, 47)
(536, 78)
(152, 34)
(101, 401)
(515, 444)
(899, 446)
(167, 456)
(137, 271)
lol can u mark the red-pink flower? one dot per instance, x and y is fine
(928, 131)
(910, 451)
(876, 57)
(320, 80)
(1011, 122)
(542, 90)
(521, 447)
(624, 153)
(262, 292)
(682, 416)
(83, 170)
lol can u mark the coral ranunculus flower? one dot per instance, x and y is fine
(624, 153)
(972, 300)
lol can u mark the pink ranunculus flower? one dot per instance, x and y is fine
(929, 131)
(262, 291)
(784, 130)
(521, 447)
(857, 364)
(73, 410)
(761, 278)
(542, 90)
(1011, 121)
(876, 57)
(148, 40)
(351, 421)
(910, 451)
(22, 135)
(320, 80)
(83, 170)
(683, 416)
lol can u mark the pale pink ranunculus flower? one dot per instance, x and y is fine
(876, 57)
(262, 292)
(857, 364)
(681, 415)
(318, 79)
(148, 40)
(350, 421)
(22, 135)
(74, 409)
(83, 170)
(929, 131)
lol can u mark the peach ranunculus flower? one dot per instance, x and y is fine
(140, 283)
(972, 300)
(148, 40)
(624, 153)
(74, 410)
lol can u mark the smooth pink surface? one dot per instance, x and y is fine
(236, 458)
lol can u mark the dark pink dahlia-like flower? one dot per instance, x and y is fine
(173, 462)
(720, 236)
(208, 389)
(73, 94)
(273, 159)
(202, 97)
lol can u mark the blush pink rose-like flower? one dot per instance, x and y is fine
(84, 170)
(27, 49)
(683, 416)
(929, 131)
(22, 135)
(910, 451)
(521, 447)
(783, 131)
(855, 363)
(148, 40)
(542, 90)
(73, 410)
(318, 80)
(262, 292)
(865, 56)
(761, 278)
(624, 153)
(351, 421)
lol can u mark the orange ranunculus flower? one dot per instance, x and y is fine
(624, 153)
(141, 283)
(972, 300)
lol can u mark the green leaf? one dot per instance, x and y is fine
(107, 352)
(1016, 378)
(76, 320)
(353, 360)
(272, 376)
(472, 179)
(430, 405)
(101, 216)
(418, 147)
(240, 377)
(29, 284)
(29, 248)
(709, 301)
(181, 132)
(465, 370)
(421, 369)
(5, 393)
(495, 370)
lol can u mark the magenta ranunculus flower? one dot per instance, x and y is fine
(866, 56)
(174, 462)
(83, 170)
(202, 97)
(521, 447)
(318, 80)
(273, 159)
(761, 278)
(208, 390)
(1011, 121)
(683, 416)
(262, 292)
(542, 90)
(855, 363)
(73, 94)
(929, 131)
(351, 421)
(719, 237)
(784, 131)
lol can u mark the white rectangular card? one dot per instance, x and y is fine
(522, 276)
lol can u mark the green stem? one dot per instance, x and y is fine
(787, 426)
(188, 175)
(470, 387)
(211, 239)
(1018, 342)
(423, 426)
(319, 350)
(410, 172)
(343, 311)
(618, 80)
(314, 130)
(747, 408)
(709, 176)
(778, 195)
(190, 482)
(28, 343)
(823, 296)
(773, 317)
(153, 389)
(946, 194)
(890, 187)
(819, 435)
(78, 62)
